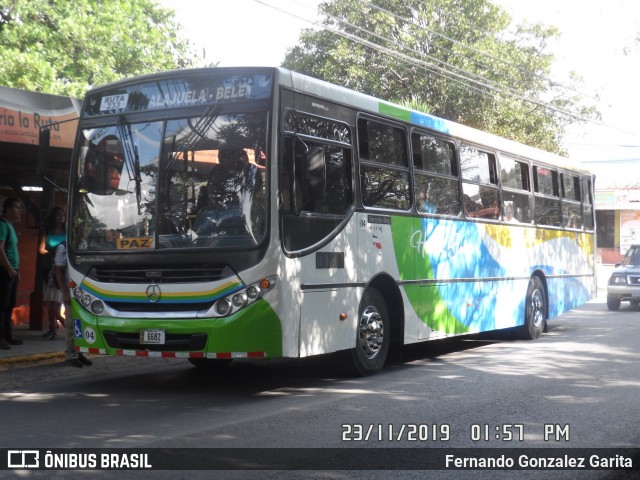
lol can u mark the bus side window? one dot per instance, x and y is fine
(290, 188)
(571, 210)
(384, 169)
(435, 181)
(546, 197)
(587, 204)
(480, 183)
(516, 196)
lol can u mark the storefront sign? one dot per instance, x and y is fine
(23, 113)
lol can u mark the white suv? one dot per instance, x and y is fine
(624, 283)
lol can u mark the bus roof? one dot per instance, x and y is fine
(371, 104)
(366, 103)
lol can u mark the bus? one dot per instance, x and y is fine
(225, 213)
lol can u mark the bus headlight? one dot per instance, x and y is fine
(223, 307)
(97, 307)
(239, 300)
(252, 292)
(88, 301)
(85, 300)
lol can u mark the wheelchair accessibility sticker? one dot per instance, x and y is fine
(77, 328)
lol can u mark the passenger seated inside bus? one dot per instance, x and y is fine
(103, 167)
(219, 208)
(509, 213)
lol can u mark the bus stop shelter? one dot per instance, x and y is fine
(38, 177)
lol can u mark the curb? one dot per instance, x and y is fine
(12, 361)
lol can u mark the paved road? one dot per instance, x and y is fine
(583, 377)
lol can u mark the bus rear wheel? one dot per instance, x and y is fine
(373, 335)
(535, 320)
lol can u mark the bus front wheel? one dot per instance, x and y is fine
(373, 335)
(535, 310)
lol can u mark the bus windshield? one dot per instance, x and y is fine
(197, 182)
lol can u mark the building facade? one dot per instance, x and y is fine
(617, 202)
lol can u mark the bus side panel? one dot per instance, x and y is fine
(384, 249)
(473, 277)
(569, 265)
(326, 290)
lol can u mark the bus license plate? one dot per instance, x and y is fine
(154, 336)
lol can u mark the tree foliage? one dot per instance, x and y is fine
(461, 58)
(64, 47)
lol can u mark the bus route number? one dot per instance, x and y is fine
(153, 336)
(114, 102)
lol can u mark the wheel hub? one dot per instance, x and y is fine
(537, 306)
(371, 332)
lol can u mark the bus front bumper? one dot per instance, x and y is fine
(254, 332)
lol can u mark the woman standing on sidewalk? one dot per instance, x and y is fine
(53, 236)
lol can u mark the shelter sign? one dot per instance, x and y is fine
(23, 113)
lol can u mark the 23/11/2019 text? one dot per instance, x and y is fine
(381, 432)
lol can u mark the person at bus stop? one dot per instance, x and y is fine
(9, 263)
(53, 236)
(62, 276)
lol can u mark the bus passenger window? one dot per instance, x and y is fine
(436, 195)
(571, 211)
(546, 199)
(516, 196)
(384, 173)
(480, 183)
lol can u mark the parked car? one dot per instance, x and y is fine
(624, 283)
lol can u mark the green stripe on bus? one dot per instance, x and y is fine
(392, 111)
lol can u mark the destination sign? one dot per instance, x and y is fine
(175, 90)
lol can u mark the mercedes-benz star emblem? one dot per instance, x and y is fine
(153, 293)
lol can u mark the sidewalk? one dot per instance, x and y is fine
(35, 348)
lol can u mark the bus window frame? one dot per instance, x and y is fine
(419, 172)
(406, 169)
(544, 197)
(566, 222)
(588, 179)
(493, 184)
(525, 191)
(287, 216)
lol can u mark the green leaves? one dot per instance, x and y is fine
(461, 58)
(64, 48)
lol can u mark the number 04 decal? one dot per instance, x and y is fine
(90, 335)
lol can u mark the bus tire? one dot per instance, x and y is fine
(210, 363)
(535, 314)
(613, 303)
(373, 334)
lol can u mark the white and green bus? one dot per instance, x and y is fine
(227, 213)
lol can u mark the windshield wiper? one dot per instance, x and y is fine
(131, 158)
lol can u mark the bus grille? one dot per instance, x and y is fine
(174, 342)
(164, 307)
(186, 274)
